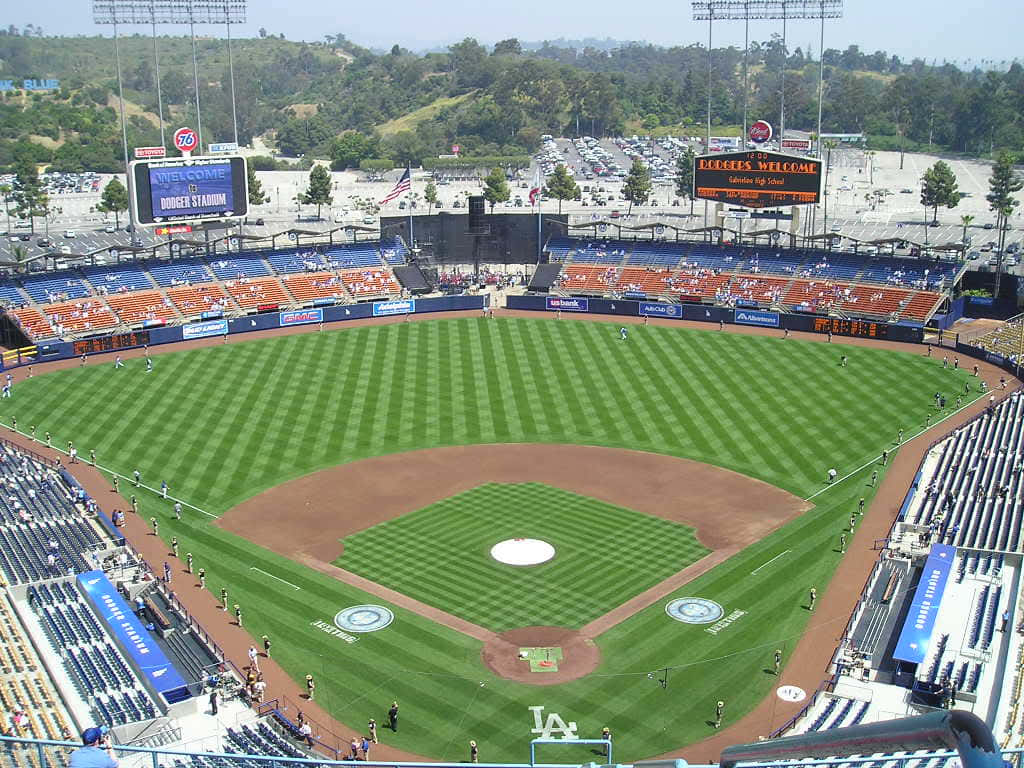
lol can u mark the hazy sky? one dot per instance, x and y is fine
(932, 29)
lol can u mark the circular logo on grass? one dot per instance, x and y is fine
(363, 618)
(694, 610)
(791, 693)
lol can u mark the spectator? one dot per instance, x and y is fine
(96, 752)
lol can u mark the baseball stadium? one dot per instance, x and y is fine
(659, 494)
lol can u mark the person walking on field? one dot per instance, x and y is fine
(474, 753)
(719, 709)
(372, 726)
(223, 599)
(842, 543)
(874, 478)
(814, 598)
(393, 716)
(266, 646)
(202, 578)
(310, 687)
(778, 660)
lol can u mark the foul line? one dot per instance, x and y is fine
(254, 568)
(869, 462)
(770, 561)
(112, 473)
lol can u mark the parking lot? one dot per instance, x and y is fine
(852, 178)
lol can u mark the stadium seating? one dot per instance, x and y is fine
(648, 280)
(353, 255)
(394, 252)
(117, 279)
(587, 278)
(250, 293)
(287, 262)
(54, 287)
(87, 315)
(192, 300)
(33, 323)
(141, 306)
(368, 283)
(173, 273)
(315, 285)
(11, 296)
(240, 266)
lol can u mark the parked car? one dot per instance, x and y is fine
(43, 242)
(1010, 261)
(65, 249)
(615, 214)
(110, 229)
(70, 233)
(988, 225)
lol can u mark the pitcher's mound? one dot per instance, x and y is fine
(580, 656)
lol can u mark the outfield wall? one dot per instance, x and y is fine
(223, 326)
(708, 314)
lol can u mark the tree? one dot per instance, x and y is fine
(29, 198)
(5, 191)
(496, 187)
(684, 175)
(638, 184)
(1002, 185)
(256, 194)
(20, 254)
(938, 187)
(349, 149)
(405, 149)
(114, 200)
(510, 47)
(430, 193)
(562, 186)
(319, 191)
(966, 221)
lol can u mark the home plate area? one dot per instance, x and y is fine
(542, 659)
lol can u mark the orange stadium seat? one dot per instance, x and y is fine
(920, 305)
(308, 286)
(875, 300)
(250, 292)
(194, 299)
(370, 281)
(590, 278)
(85, 314)
(650, 280)
(814, 295)
(697, 281)
(140, 306)
(764, 290)
(33, 322)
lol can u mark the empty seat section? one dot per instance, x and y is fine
(117, 279)
(287, 262)
(651, 281)
(174, 273)
(587, 278)
(237, 267)
(10, 295)
(80, 316)
(353, 255)
(316, 285)
(33, 323)
(250, 293)
(54, 288)
(365, 283)
(193, 300)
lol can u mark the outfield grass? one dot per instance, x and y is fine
(222, 423)
(441, 555)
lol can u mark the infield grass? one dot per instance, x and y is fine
(604, 555)
(223, 423)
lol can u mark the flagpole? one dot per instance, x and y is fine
(412, 240)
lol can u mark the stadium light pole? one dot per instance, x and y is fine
(195, 74)
(231, 73)
(159, 87)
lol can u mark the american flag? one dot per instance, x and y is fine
(404, 185)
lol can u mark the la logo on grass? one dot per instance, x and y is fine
(554, 724)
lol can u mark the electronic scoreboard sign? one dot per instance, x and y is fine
(842, 327)
(111, 343)
(189, 189)
(757, 179)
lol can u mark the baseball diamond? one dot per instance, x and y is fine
(365, 473)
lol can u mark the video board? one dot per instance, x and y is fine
(757, 179)
(189, 189)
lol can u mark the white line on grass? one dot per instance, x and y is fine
(112, 473)
(785, 552)
(869, 462)
(254, 568)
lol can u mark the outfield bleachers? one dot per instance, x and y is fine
(288, 262)
(33, 323)
(249, 293)
(173, 273)
(370, 282)
(238, 267)
(117, 279)
(652, 281)
(192, 300)
(311, 286)
(86, 315)
(353, 255)
(55, 287)
(141, 306)
(11, 296)
(394, 251)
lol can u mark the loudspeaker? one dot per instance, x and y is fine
(478, 215)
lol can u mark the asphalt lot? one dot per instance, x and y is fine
(852, 176)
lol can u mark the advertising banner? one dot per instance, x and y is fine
(567, 304)
(129, 633)
(399, 307)
(202, 330)
(754, 317)
(653, 309)
(917, 631)
(301, 317)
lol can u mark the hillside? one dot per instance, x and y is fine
(336, 100)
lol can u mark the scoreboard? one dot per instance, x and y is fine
(757, 179)
(863, 328)
(111, 343)
(188, 189)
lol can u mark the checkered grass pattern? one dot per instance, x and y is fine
(440, 555)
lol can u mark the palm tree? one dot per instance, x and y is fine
(966, 221)
(5, 190)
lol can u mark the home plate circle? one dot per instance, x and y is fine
(522, 551)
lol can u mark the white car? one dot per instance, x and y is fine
(65, 249)
(110, 229)
(69, 233)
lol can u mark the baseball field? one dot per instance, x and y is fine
(225, 426)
